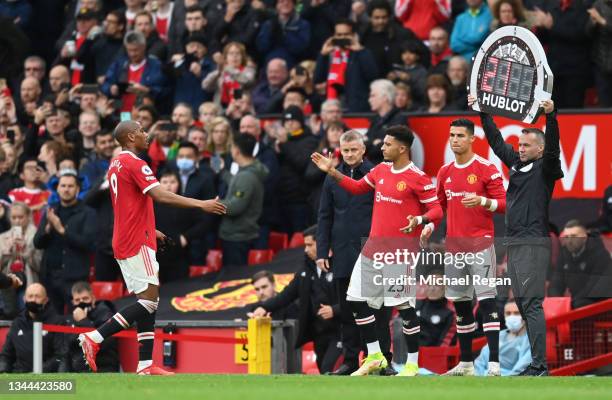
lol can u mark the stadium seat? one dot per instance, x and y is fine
(260, 256)
(214, 259)
(199, 270)
(309, 360)
(297, 240)
(107, 290)
(278, 241)
(554, 306)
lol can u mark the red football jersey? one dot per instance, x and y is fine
(130, 179)
(399, 193)
(31, 197)
(477, 176)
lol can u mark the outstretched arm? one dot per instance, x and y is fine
(213, 206)
(352, 186)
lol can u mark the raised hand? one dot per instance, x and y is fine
(325, 164)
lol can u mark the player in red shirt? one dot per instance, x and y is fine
(471, 189)
(133, 189)
(401, 190)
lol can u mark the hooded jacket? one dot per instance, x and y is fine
(244, 202)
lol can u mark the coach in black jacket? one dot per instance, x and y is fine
(318, 310)
(344, 220)
(17, 353)
(534, 169)
(67, 233)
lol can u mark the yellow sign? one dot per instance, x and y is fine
(241, 350)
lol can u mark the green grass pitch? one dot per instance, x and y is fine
(298, 387)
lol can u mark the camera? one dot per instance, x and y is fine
(237, 93)
(341, 42)
(10, 134)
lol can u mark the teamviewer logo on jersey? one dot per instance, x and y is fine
(380, 197)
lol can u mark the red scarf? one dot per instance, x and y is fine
(337, 72)
(75, 66)
(228, 86)
(437, 58)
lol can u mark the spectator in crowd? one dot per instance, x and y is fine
(342, 221)
(55, 125)
(604, 222)
(509, 12)
(285, 35)
(143, 23)
(322, 16)
(35, 67)
(440, 50)
(249, 125)
(403, 98)
(267, 95)
(132, 8)
(385, 38)
(66, 165)
(345, 68)
(59, 81)
(195, 22)
(598, 30)
(181, 226)
(31, 194)
(162, 14)
(423, 15)
(294, 145)
(89, 125)
(265, 289)
(66, 234)
(207, 112)
(236, 73)
(238, 108)
(382, 103)
(295, 96)
(17, 353)
(90, 313)
(457, 73)
(318, 318)
(7, 179)
(584, 267)
(410, 71)
(165, 145)
(51, 152)
(244, 202)
(470, 29)
(514, 350)
(99, 160)
(199, 137)
(191, 71)
(331, 111)
(439, 95)
(69, 44)
(146, 117)
(182, 116)
(134, 74)
(220, 140)
(18, 256)
(29, 100)
(562, 29)
(97, 53)
(436, 316)
(238, 23)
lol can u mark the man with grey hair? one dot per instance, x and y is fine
(135, 73)
(343, 220)
(382, 102)
(331, 111)
(35, 67)
(457, 72)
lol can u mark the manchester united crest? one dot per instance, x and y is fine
(472, 179)
(401, 186)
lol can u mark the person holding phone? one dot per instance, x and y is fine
(18, 257)
(345, 68)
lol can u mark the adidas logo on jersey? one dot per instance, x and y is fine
(448, 180)
(380, 182)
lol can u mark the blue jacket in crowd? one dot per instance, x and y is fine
(152, 76)
(288, 42)
(470, 30)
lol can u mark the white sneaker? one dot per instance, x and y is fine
(462, 369)
(494, 369)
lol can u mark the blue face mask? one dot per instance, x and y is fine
(184, 164)
(514, 323)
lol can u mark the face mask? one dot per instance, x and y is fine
(184, 164)
(84, 306)
(514, 323)
(34, 307)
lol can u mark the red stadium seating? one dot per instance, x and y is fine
(278, 241)
(554, 306)
(309, 360)
(107, 290)
(214, 259)
(297, 240)
(199, 270)
(260, 256)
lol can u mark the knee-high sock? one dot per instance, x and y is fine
(366, 322)
(466, 325)
(490, 326)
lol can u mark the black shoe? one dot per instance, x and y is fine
(389, 371)
(533, 371)
(344, 369)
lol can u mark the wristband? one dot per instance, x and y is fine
(483, 201)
